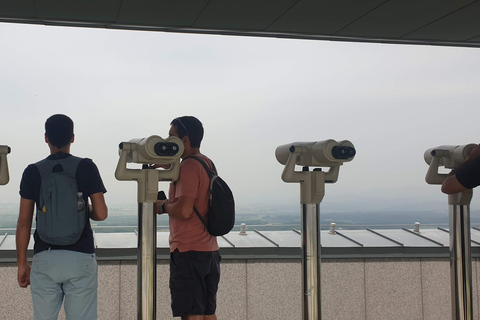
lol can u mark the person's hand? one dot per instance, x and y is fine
(161, 166)
(24, 275)
(158, 206)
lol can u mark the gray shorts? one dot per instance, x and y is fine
(59, 274)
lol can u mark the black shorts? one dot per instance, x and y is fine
(194, 277)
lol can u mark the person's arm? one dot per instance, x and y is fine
(180, 209)
(451, 184)
(22, 238)
(98, 208)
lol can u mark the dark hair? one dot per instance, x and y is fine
(191, 127)
(59, 130)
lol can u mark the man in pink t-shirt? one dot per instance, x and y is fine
(194, 256)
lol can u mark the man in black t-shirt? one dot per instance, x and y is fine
(60, 272)
(467, 177)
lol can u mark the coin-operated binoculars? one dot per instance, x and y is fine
(4, 177)
(328, 153)
(452, 157)
(148, 151)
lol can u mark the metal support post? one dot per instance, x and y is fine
(460, 256)
(147, 261)
(312, 191)
(311, 305)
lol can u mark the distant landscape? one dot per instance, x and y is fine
(262, 217)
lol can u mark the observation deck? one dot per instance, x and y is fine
(369, 274)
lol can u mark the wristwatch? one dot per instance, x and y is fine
(162, 208)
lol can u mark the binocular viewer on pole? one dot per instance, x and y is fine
(448, 156)
(4, 177)
(166, 153)
(327, 153)
(151, 150)
(453, 157)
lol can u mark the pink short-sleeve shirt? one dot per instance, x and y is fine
(190, 234)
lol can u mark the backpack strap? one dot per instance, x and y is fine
(210, 175)
(205, 165)
(200, 217)
(68, 165)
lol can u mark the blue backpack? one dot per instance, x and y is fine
(61, 213)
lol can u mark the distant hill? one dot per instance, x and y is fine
(125, 218)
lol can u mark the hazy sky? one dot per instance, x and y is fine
(252, 94)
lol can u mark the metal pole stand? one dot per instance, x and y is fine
(311, 264)
(4, 177)
(148, 151)
(452, 157)
(312, 191)
(460, 255)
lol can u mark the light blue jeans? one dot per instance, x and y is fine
(59, 274)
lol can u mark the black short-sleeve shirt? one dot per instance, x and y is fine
(469, 176)
(88, 182)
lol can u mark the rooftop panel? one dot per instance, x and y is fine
(284, 238)
(408, 239)
(369, 239)
(250, 240)
(365, 243)
(336, 240)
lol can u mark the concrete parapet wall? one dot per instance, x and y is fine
(411, 288)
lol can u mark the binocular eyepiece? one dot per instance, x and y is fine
(161, 149)
(341, 152)
(166, 149)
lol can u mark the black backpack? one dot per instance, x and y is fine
(221, 211)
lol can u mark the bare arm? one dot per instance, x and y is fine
(181, 209)
(98, 209)
(451, 185)
(22, 238)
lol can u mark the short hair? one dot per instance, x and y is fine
(59, 130)
(191, 127)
